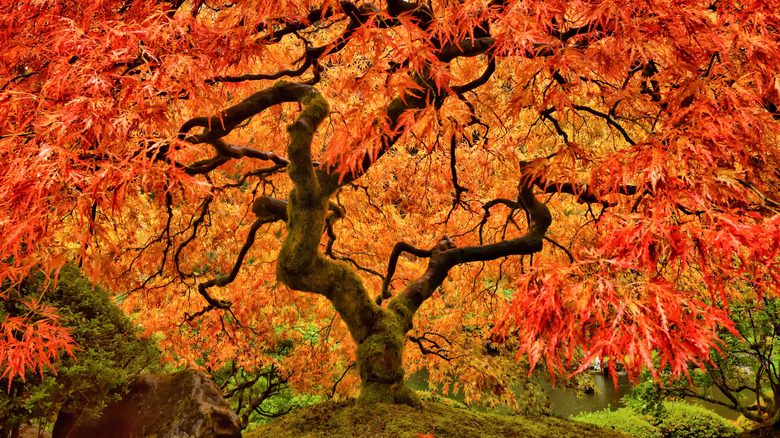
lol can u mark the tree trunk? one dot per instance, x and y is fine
(380, 363)
(378, 332)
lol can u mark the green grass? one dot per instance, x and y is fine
(434, 420)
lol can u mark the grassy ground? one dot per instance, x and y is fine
(434, 420)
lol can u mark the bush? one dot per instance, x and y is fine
(624, 420)
(679, 420)
(683, 420)
(108, 351)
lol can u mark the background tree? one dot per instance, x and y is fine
(255, 395)
(745, 380)
(638, 142)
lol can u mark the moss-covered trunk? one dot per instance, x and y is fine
(378, 332)
(380, 362)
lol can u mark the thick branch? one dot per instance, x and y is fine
(270, 209)
(399, 248)
(203, 167)
(529, 243)
(459, 189)
(257, 77)
(445, 255)
(358, 16)
(313, 16)
(273, 209)
(480, 81)
(546, 115)
(411, 100)
(220, 125)
(300, 264)
(583, 192)
(224, 280)
(467, 48)
(423, 14)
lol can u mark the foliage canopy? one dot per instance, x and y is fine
(637, 141)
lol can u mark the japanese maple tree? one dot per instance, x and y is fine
(565, 179)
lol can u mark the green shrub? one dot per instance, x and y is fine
(684, 420)
(108, 351)
(624, 420)
(678, 420)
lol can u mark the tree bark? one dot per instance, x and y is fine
(378, 333)
(380, 362)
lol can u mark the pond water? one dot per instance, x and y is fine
(566, 403)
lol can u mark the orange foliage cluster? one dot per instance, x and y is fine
(653, 125)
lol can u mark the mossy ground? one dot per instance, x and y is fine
(348, 419)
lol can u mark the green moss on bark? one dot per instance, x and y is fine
(378, 332)
(404, 308)
(397, 393)
(380, 363)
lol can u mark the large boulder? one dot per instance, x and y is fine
(181, 405)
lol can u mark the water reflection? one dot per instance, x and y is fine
(565, 403)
